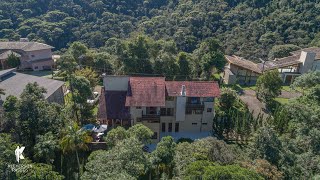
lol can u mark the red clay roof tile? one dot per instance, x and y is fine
(146, 91)
(193, 88)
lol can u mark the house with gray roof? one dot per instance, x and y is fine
(33, 55)
(246, 72)
(14, 83)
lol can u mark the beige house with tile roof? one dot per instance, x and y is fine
(33, 55)
(245, 72)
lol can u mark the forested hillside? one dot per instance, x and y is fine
(248, 28)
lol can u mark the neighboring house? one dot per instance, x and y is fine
(245, 72)
(176, 108)
(14, 83)
(33, 55)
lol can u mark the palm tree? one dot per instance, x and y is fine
(75, 139)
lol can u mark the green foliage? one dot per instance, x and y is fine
(266, 145)
(7, 156)
(126, 159)
(307, 80)
(207, 170)
(89, 74)
(233, 120)
(32, 115)
(162, 156)
(115, 136)
(280, 51)
(245, 26)
(45, 148)
(13, 61)
(141, 132)
(37, 171)
(74, 140)
(316, 41)
(209, 149)
(268, 86)
(228, 98)
(229, 172)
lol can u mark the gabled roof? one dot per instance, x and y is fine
(193, 88)
(24, 46)
(14, 83)
(241, 62)
(312, 49)
(6, 54)
(146, 91)
(115, 103)
(280, 63)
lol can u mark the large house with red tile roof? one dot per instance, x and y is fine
(245, 72)
(176, 108)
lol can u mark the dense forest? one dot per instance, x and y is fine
(248, 28)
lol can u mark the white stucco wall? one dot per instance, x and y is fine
(181, 108)
(307, 59)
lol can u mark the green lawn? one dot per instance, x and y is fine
(289, 89)
(282, 100)
(216, 76)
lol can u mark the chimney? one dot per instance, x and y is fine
(183, 90)
(24, 40)
(307, 59)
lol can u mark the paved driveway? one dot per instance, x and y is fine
(250, 99)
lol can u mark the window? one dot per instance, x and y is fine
(176, 127)
(169, 111)
(194, 100)
(204, 123)
(209, 109)
(198, 111)
(138, 107)
(166, 111)
(188, 111)
(32, 55)
(163, 127)
(209, 99)
(36, 67)
(170, 127)
(194, 123)
(163, 111)
(155, 135)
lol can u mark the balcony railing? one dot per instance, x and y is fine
(150, 118)
(195, 106)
